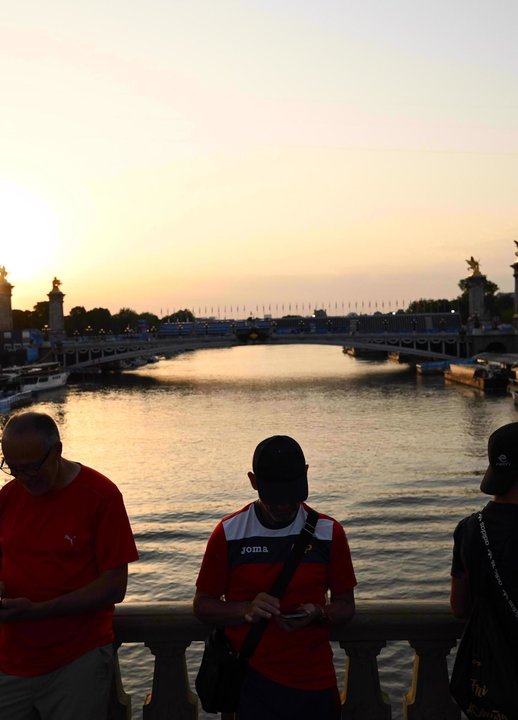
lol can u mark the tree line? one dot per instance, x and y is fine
(80, 321)
(498, 305)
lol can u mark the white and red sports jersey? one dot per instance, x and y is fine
(243, 558)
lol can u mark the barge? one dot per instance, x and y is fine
(479, 375)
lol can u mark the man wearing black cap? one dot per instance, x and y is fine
(500, 518)
(291, 673)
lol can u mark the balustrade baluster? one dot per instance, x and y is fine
(171, 697)
(120, 702)
(169, 628)
(363, 696)
(429, 697)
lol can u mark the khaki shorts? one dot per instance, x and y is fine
(78, 691)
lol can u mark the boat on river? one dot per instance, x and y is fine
(36, 378)
(437, 367)
(512, 388)
(10, 394)
(480, 375)
(12, 399)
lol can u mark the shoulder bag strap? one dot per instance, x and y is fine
(279, 586)
(297, 551)
(496, 574)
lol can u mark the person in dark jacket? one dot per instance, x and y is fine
(471, 572)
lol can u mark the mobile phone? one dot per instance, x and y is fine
(294, 615)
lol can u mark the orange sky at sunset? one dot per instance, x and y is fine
(163, 155)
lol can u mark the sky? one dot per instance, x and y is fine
(167, 154)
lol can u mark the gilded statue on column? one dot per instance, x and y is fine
(474, 266)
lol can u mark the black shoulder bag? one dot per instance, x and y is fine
(219, 678)
(484, 681)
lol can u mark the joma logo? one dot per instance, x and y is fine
(249, 549)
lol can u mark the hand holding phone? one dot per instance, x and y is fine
(293, 615)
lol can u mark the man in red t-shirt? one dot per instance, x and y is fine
(291, 675)
(65, 545)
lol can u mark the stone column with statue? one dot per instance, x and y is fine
(476, 283)
(56, 316)
(515, 273)
(6, 313)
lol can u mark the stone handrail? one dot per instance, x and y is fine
(167, 629)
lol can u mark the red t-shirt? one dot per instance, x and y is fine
(50, 545)
(243, 558)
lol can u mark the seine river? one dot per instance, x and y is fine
(396, 458)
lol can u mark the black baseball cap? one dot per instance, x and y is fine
(502, 450)
(280, 470)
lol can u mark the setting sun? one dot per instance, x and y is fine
(29, 232)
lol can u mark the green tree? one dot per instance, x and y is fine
(99, 319)
(40, 314)
(181, 316)
(427, 305)
(500, 305)
(22, 319)
(75, 321)
(490, 288)
(504, 306)
(124, 319)
(151, 319)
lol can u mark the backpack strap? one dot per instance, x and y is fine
(494, 570)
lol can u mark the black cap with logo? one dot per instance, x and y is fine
(502, 450)
(280, 470)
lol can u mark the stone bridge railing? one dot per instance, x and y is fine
(168, 629)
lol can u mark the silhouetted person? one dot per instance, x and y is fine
(290, 675)
(65, 545)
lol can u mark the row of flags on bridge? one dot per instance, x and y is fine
(294, 307)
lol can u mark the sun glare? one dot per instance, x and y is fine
(29, 232)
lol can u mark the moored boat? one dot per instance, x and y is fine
(437, 367)
(12, 400)
(478, 375)
(513, 390)
(11, 395)
(38, 377)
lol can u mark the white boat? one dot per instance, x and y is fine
(10, 394)
(36, 378)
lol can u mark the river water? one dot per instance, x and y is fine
(394, 457)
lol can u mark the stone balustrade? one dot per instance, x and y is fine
(167, 629)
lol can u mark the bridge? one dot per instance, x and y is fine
(438, 336)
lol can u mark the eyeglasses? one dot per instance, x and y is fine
(29, 469)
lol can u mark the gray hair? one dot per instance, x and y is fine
(33, 422)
